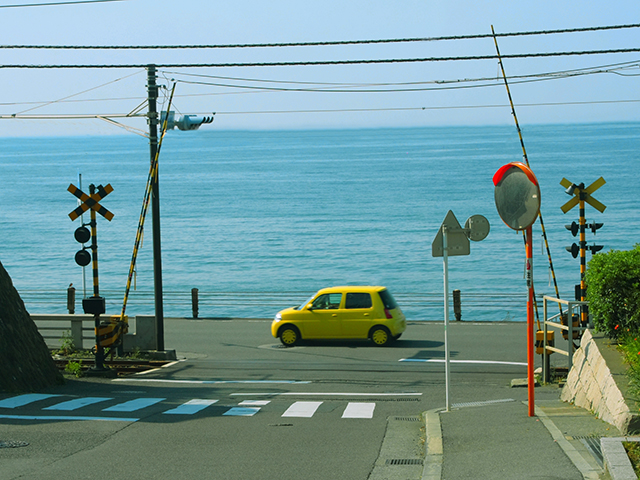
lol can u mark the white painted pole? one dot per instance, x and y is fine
(445, 261)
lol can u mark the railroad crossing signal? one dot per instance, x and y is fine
(582, 195)
(91, 201)
(96, 304)
(580, 191)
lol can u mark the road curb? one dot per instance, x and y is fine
(588, 472)
(434, 456)
(616, 459)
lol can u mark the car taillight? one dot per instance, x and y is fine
(388, 313)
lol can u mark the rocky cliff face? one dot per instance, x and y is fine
(25, 362)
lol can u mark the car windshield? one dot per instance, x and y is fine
(304, 304)
(387, 299)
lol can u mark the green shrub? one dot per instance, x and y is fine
(613, 291)
(74, 368)
(67, 347)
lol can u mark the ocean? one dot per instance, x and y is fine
(258, 220)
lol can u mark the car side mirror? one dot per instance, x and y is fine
(310, 306)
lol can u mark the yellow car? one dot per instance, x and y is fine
(354, 312)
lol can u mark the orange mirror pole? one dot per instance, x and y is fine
(530, 378)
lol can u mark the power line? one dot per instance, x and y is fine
(357, 88)
(610, 68)
(315, 44)
(338, 110)
(448, 107)
(412, 86)
(77, 2)
(326, 62)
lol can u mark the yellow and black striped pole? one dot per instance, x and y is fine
(99, 359)
(583, 254)
(526, 160)
(153, 171)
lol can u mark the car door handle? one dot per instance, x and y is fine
(366, 314)
(334, 315)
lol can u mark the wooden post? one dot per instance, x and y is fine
(71, 299)
(194, 302)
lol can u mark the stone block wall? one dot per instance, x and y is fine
(591, 385)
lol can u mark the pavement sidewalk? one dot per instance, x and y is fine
(496, 439)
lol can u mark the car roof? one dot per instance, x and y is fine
(353, 288)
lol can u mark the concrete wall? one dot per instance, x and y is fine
(592, 385)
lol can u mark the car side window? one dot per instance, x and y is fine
(358, 300)
(327, 301)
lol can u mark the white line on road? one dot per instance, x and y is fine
(359, 410)
(326, 394)
(22, 400)
(133, 405)
(241, 411)
(191, 407)
(77, 403)
(64, 417)
(255, 403)
(302, 409)
(209, 382)
(471, 362)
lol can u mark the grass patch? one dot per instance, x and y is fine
(74, 368)
(633, 451)
(629, 347)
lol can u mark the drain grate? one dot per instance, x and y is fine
(386, 399)
(12, 444)
(405, 461)
(593, 445)
(482, 404)
(408, 419)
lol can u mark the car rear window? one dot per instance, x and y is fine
(387, 299)
(358, 300)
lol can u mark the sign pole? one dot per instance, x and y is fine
(530, 377)
(517, 196)
(445, 262)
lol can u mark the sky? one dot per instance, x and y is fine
(400, 94)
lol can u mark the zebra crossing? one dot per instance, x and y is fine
(245, 408)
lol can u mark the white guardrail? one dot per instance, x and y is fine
(80, 329)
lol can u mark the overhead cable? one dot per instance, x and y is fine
(325, 62)
(318, 44)
(51, 4)
(336, 110)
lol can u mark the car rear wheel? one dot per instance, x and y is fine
(289, 336)
(380, 336)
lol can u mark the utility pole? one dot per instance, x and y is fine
(155, 207)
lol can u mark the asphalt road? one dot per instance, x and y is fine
(238, 406)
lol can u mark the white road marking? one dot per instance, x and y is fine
(302, 409)
(471, 362)
(255, 403)
(133, 405)
(22, 400)
(77, 403)
(242, 411)
(359, 410)
(327, 394)
(64, 417)
(191, 407)
(207, 382)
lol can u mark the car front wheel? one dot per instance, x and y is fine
(289, 336)
(380, 336)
